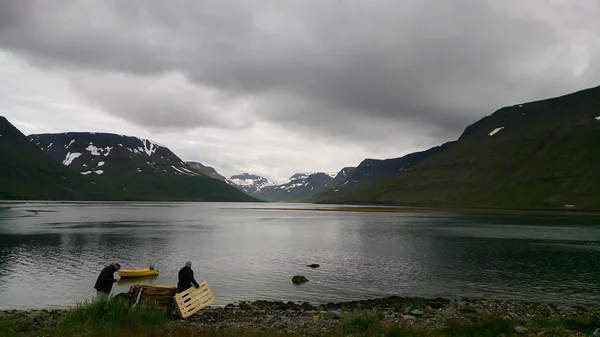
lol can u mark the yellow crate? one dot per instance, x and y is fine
(193, 300)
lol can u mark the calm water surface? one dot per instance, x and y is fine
(51, 254)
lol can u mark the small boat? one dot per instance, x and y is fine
(138, 272)
(124, 280)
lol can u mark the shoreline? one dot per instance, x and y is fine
(348, 207)
(398, 209)
(427, 314)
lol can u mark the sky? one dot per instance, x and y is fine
(275, 87)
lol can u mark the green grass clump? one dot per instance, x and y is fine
(569, 324)
(363, 322)
(370, 325)
(113, 315)
(15, 326)
(497, 327)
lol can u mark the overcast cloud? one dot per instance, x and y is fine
(275, 87)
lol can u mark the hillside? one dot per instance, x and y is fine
(131, 168)
(28, 173)
(539, 154)
(205, 170)
(371, 172)
(298, 187)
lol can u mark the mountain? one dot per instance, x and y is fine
(103, 153)
(205, 170)
(297, 188)
(134, 168)
(342, 176)
(249, 183)
(541, 154)
(28, 173)
(371, 172)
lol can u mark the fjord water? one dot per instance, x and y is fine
(51, 253)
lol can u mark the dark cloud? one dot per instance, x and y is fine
(352, 68)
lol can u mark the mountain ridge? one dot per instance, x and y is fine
(296, 188)
(373, 171)
(539, 154)
(27, 173)
(98, 166)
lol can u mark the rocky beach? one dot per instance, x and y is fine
(418, 313)
(334, 319)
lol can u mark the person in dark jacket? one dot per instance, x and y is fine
(186, 278)
(105, 280)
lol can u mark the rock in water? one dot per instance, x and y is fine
(314, 265)
(298, 279)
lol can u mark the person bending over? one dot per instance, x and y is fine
(186, 278)
(105, 280)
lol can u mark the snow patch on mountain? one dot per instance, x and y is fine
(112, 153)
(70, 157)
(96, 151)
(496, 130)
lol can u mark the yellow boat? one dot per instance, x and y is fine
(138, 272)
(125, 280)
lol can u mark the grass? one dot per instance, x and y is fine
(114, 314)
(363, 322)
(371, 324)
(96, 318)
(114, 317)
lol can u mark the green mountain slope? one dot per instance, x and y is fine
(134, 168)
(539, 154)
(28, 173)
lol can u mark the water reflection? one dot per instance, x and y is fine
(51, 257)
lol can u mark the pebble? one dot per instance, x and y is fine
(417, 312)
(520, 329)
(336, 314)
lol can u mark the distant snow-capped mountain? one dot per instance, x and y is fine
(249, 183)
(296, 188)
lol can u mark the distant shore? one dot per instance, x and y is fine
(353, 207)
(429, 316)
(454, 210)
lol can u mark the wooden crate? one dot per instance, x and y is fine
(193, 300)
(162, 295)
